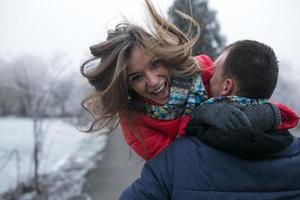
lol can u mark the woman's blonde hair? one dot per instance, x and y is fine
(164, 40)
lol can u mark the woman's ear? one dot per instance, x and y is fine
(228, 87)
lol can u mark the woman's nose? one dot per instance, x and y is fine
(152, 79)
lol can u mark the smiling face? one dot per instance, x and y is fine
(148, 77)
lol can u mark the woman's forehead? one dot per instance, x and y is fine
(138, 59)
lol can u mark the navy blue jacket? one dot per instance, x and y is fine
(191, 170)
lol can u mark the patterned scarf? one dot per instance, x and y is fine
(185, 95)
(238, 99)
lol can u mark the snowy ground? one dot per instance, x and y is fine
(67, 153)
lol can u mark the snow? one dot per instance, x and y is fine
(66, 152)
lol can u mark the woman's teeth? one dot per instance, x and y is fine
(159, 89)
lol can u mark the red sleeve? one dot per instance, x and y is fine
(289, 118)
(149, 136)
(206, 68)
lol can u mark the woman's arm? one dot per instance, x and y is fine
(205, 65)
(289, 118)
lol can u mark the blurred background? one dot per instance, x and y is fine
(43, 155)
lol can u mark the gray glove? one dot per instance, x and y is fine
(221, 115)
(263, 117)
(227, 117)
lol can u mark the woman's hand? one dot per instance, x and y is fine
(221, 115)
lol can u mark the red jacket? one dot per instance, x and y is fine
(150, 136)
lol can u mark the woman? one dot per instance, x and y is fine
(150, 81)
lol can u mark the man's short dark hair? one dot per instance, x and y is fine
(254, 66)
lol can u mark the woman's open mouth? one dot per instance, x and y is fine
(161, 94)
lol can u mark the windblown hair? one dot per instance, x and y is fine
(254, 66)
(108, 76)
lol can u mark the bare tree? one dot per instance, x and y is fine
(39, 88)
(36, 81)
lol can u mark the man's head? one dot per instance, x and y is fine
(245, 68)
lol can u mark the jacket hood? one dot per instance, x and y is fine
(248, 144)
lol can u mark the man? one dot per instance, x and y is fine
(243, 164)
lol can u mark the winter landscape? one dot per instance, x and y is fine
(67, 155)
(43, 153)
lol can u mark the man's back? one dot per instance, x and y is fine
(190, 169)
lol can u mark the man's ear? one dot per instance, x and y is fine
(228, 87)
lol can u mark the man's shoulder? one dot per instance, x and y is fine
(186, 146)
(182, 145)
(293, 150)
(193, 146)
(183, 151)
(188, 142)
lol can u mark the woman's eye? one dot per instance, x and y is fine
(155, 64)
(136, 78)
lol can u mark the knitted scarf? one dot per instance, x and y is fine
(185, 95)
(244, 101)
